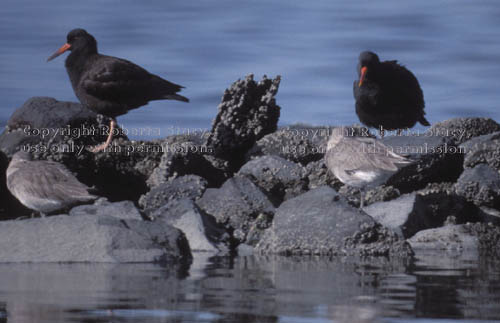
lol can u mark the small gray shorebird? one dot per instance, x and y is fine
(110, 85)
(361, 162)
(45, 186)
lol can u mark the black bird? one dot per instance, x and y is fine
(388, 96)
(109, 85)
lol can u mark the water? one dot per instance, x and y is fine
(255, 289)
(451, 46)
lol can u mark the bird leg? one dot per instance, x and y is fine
(361, 201)
(381, 132)
(108, 140)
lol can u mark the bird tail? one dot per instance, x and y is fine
(176, 97)
(424, 121)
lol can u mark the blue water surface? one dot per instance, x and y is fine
(451, 46)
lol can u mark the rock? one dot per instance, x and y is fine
(478, 237)
(427, 208)
(47, 125)
(377, 194)
(319, 222)
(318, 175)
(247, 112)
(125, 210)
(289, 143)
(376, 240)
(405, 215)
(476, 142)
(241, 207)
(201, 230)
(480, 185)
(437, 160)
(442, 202)
(279, 178)
(91, 238)
(483, 150)
(187, 186)
(462, 129)
(184, 155)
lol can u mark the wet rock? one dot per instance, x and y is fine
(91, 238)
(45, 124)
(188, 186)
(463, 129)
(248, 112)
(437, 160)
(480, 185)
(184, 155)
(483, 150)
(376, 240)
(280, 179)
(200, 229)
(125, 210)
(241, 207)
(317, 222)
(318, 175)
(477, 237)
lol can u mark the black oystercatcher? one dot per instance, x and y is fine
(360, 161)
(388, 96)
(109, 85)
(44, 186)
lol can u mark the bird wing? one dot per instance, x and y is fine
(119, 80)
(403, 81)
(367, 153)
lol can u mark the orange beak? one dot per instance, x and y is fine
(61, 50)
(362, 76)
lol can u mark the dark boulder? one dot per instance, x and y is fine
(480, 185)
(463, 129)
(188, 186)
(437, 160)
(46, 125)
(123, 210)
(201, 230)
(91, 238)
(241, 207)
(296, 143)
(318, 174)
(319, 222)
(476, 238)
(483, 150)
(248, 112)
(279, 178)
(184, 155)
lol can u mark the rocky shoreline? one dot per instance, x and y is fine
(248, 187)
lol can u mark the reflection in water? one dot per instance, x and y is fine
(253, 289)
